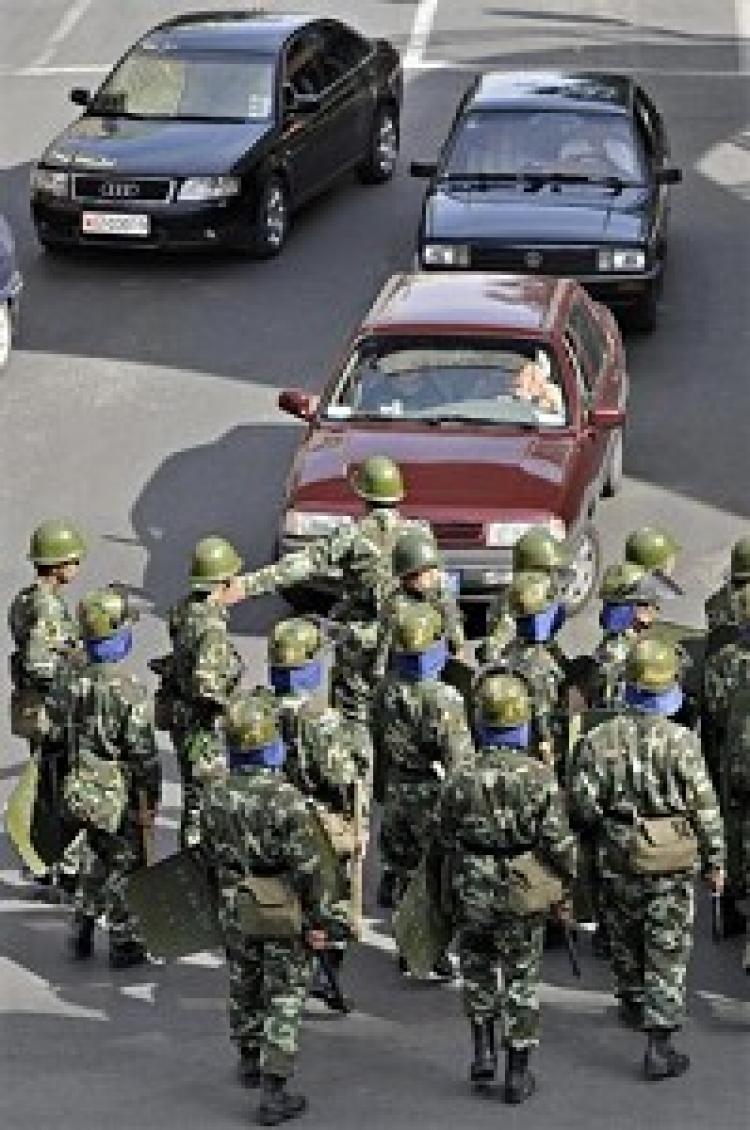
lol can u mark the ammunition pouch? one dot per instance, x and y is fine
(268, 908)
(29, 717)
(532, 887)
(661, 845)
(96, 792)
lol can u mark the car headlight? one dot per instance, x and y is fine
(506, 534)
(621, 259)
(446, 255)
(209, 188)
(312, 524)
(51, 182)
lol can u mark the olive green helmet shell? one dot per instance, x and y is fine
(214, 560)
(415, 552)
(529, 593)
(652, 548)
(503, 701)
(652, 665)
(294, 642)
(739, 567)
(379, 480)
(56, 542)
(539, 552)
(621, 582)
(416, 628)
(251, 720)
(103, 613)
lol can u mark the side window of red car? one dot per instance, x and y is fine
(589, 343)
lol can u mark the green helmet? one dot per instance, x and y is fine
(739, 568)
(530, 592)
(652, 665)
(742, 604)
(538, 551)
(251, 720)
(379, 479)
(103, 613)
(652, 548)
(214, 560)
(503, 701)
(293, 643)
(415, 552)
(416, 628)
(56, 542)
(621, 583)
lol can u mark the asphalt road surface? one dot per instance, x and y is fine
(141, 400)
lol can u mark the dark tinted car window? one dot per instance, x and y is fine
(344, 50)
(305, 66)
(590, 342)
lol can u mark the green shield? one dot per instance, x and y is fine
(20, 818)
(332, 872)
(175, 905)
(422, 930)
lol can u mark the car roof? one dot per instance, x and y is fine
(445, 300)
(553, 90)
(258, 30)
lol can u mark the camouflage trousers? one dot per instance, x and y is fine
(268, 983)
(105, 864)
(409, 821)
(192, 747)
(353, 672)
(513, 945)
(650, 921)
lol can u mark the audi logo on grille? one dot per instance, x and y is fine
(118, 190)
(533, 260)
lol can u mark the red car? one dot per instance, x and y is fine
(503, 400)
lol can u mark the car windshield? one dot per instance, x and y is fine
(452, 379)
(504, 143)
(203, 85)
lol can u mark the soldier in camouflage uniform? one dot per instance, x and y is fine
(652, 549)
(200, 674)
(361, 552)
(727, 711)
(255, 824)
(421, 733)
(493, 811)
(626, 609)
(536, 551)
(721, 606)
(113, 786)
(45, 639)
(641, 781)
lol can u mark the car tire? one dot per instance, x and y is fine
(6, 335)
(613, 481)
(586, 564)
(643, 315)
(272, 219)
(379, 164)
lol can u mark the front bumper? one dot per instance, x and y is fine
(621, 291)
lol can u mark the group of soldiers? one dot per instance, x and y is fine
(518, 794)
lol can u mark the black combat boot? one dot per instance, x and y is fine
(125, 954)
(277, 1104)
(630, 1013)
(484, 1064)
(248, 1069)
(520, 1084)
(82, 938)
(662, 1060)
(387, 890)
(733, 921)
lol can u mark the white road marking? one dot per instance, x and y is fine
(424, 18)
(25, 992)
(728, 164)
(145, 992)
(742, 23)
(730, 1010)
(37, 71)
(69, 20)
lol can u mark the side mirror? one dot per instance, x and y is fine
(423, 170)
(668, 176)
(80, 96)
(607, 419)
(303, 405)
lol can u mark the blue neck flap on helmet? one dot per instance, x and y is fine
(421, 664)
(655, 702)
(111, 650)
(271, 756)
(617, 618)
(517, 737)
(293, 680)
(541, 626)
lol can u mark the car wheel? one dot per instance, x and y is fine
(6, 334)
(613, 481)
(643, 314)
(380, 161)
(272, 221)
(585, 565)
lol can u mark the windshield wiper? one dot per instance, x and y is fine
(484, 421)
(537, 179)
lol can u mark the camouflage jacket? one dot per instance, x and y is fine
(543, 667)
(501, 629)
(643, 765)
(204, 667)
(325, 752)
(420, 728)
(442, 600)
(44, 634)
(107, 713)
(359, 552)
(256, 822)
(721, 606)
(609, 658)
(726, 672)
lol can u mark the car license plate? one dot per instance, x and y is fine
(453, 581)
(114, 223)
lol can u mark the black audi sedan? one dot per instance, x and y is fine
(214, 128)
(554, 174)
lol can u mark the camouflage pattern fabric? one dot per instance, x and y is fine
(501, 629)
(326, 753)
(442, 599)
(515, 946)
(609, 656)
(721, 607)
(268, 983)
(543, 668)
(105, 865)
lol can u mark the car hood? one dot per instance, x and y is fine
(126, 145)
(450, 475)
(587, 216)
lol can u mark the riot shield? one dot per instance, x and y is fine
(19, 819)
(422, 930)
(332, 873)
(175, 905)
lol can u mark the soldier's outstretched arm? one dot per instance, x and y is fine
(702, 804)
(319, 557)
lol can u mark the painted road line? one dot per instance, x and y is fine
(72, 16)
(424, 18)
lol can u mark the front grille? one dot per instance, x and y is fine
(112, 190)
(457, 534)
(534, 260)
